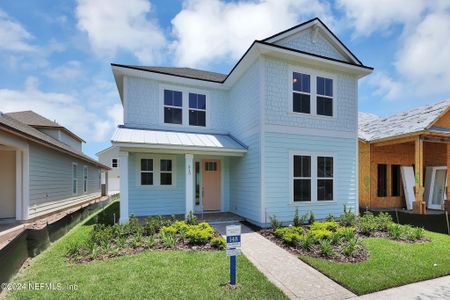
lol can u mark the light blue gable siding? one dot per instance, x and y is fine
(278, 84)
(277, 174)
(143, 106)
(245, 118)
(306, 41)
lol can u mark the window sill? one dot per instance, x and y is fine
(308, 203)
(316, 116)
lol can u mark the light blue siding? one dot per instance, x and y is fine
(277, 178)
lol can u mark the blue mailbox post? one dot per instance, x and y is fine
(233, 249)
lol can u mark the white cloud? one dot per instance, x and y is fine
(207, 30)
(13, 36)
(424, 58)
(114, 25)
(68, 71)
(386, 86)
(66, 109)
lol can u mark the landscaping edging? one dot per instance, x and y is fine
(30, 242)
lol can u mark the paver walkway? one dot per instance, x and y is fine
(438, 288)
(295, 278)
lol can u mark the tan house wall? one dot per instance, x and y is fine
(7, 184)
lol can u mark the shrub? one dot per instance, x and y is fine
(168, 240)
(296, 220)
(335, 238)
(347, 218)
(350, 247)
(218, 243)
(347, 233)
(274, 223)
(418, 233)
(321, 234)
(304, 218)
(332, 226)
(330, 218)
(367, 223)
(395, 231)
(383, 220)
(181, 227)
(311, 217)
(149, 241)
(168, 230)
(306, 242)
(325, 248)
(191, 219)
(133, 227)
(280, 232)
(198, 236)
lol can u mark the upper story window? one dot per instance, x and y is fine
(85, 179)
(173, 107)
(312, 94)
(115, 163)
(74, 178)
(197, 109)
(324, 96)
(301, 93)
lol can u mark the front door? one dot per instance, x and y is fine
(211, 184)
(438, 189)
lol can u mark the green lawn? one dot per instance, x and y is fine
(151, 274)
(390, 264)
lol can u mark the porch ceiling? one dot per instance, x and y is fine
(178, 141)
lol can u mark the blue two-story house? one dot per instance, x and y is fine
(279, 132)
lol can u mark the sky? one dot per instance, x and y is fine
(55, 55)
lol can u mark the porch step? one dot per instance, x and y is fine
(219, 218)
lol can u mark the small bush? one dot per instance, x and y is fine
(191, 219)
(383, 220)
(181, 227)
(367, 223)
(321, 234)
(330, 218)
(347, 218)
(304, 218)
(326, 248)
(312, 218)
(350, 247)
(153, 225)
(168, 240)
(296, 220)
(306, 242)
(197, 236)
(347, 233)
(335, 238)
(218, 243)
(149, 241)
(168, 230)
(395, 231)
(280, 232)
(332, 226)
(274, 223)
(418, 233)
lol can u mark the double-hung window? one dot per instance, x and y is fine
(324, 102)
(173, 107)
(313, 178)
(324, 178)
(301, 85)
(146, 171)
(74, 178)
(165, 171)
(302, 178)
(197, 109)
(85, 179)
(114, 163)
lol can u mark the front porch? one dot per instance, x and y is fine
(175, 173)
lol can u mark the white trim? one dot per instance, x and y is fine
(262, 130)
(19, 212)
(314, 178)
(125, 99)
(432, 186)
(156, 170)
(74, 178)
(124, 212)
(184, 106)
(26, 183)
(313, 92)
(189, 176)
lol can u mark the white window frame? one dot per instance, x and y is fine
(301, 177)
(184, 106)
(166, 172)
(325, 178)
(85, 179)
(156, 170)
(148, 172)
(74, 178)
(313, 155)
(112, 162)
(325, 96)
(313, 92)
(173, 106)
(301, 93)
(197, 109)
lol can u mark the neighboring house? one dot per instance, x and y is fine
(110, 157)
(409, 152)
(43, 168)
(279, 132)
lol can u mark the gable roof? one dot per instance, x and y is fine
(372, 127)
(256, 48)
(315, 22)
(35, 120)
(13, 125)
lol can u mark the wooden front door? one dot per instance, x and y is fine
(211, 189)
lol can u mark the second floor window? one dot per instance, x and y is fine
(301, 93)
(197, 109)
(115, 163)
(324, 96)
(173, 103)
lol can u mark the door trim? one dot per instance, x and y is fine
(430, 192)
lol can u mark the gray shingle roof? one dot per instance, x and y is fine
(31, 118)
(183, 72)
(373, 127)
(28, 131)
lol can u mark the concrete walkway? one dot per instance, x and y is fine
(438, 288)
(295, 278)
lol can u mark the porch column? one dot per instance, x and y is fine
(106, 183)
(19, 213)
(418, 205)
(189, 175)
(123, 165)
